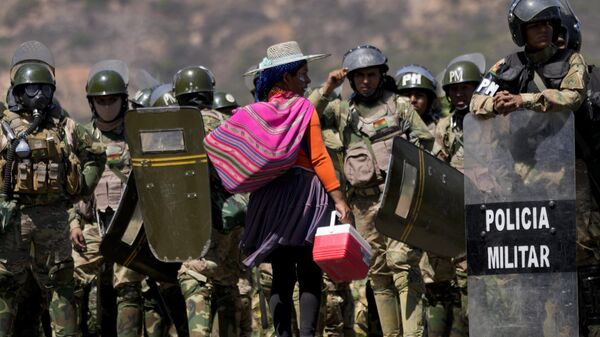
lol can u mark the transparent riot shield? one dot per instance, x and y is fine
(172, 176)
(422, 203)
(520, 219)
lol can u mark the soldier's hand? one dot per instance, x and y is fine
(77, 239)
(505, 102)
(334, 80)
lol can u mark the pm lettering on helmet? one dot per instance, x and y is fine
(456, 75)
(412, 78)
(487, 87)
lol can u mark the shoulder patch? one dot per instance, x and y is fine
(496, 67)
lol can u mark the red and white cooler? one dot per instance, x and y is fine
(341, 252)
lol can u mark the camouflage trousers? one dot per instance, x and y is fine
(394, 275)
(245, 288)
(127, 284)
(209, 286)
(336, 316)
(38, 239)
(444, 310)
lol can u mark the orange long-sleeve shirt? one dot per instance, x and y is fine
(319, 159)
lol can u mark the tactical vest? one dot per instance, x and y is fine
(51, 170)
(517, 73)
(118, 165)
(369, 140)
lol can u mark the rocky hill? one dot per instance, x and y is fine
(228, 36)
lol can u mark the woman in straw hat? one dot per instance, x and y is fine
(284, 214)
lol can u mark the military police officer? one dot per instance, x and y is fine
(209, 283)
(367, 123)
(419, 85)
(48, 161)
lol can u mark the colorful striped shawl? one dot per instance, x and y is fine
(259, 142)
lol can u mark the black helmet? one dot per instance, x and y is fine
(522, 12)
(414, 76)
(461, 72)
(364, 56)
(571, 27)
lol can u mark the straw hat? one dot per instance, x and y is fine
(283, 53)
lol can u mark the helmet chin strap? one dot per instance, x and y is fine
(113, 125)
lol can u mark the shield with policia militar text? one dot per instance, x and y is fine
(422, 203)
(520, 219)
(172, 177)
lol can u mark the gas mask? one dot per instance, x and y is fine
(36, 96)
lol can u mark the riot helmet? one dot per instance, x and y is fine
(365, 56)
(570, 26)
(194, 85)
(223, 100)
(106, 90)
(141, 99)
(523, 12)
(461, 72)
(415, 76)
(33, 86)
(163, 96)
(31, 52)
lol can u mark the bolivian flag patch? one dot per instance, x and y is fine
(380, 124)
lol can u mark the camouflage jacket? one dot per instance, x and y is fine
(567, 93)
(449, 142)
(63, 169)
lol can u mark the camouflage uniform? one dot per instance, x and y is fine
(394, 273)
(41, 216)
(209, 283)
(336, 317)
(447, 295)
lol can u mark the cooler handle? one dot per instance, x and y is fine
(334, 214)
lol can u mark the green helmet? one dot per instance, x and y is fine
(162, 96)
(415, 77)
(461, 72)
(106, 82)
(33, 73)
(142, 98)
(193, 79)
(224, 100)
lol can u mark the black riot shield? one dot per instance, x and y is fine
(422, 203)
(520, 218)
(125, 240)
(171, 171)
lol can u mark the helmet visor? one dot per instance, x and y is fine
(528, 9)
(117, 66)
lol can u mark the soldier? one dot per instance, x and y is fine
(209, 283)
(48, 162)
(107, 95)
(556, 84)
(541, 78)
(445, 315)
(367, 123)
(419, 85)
(588, 215)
